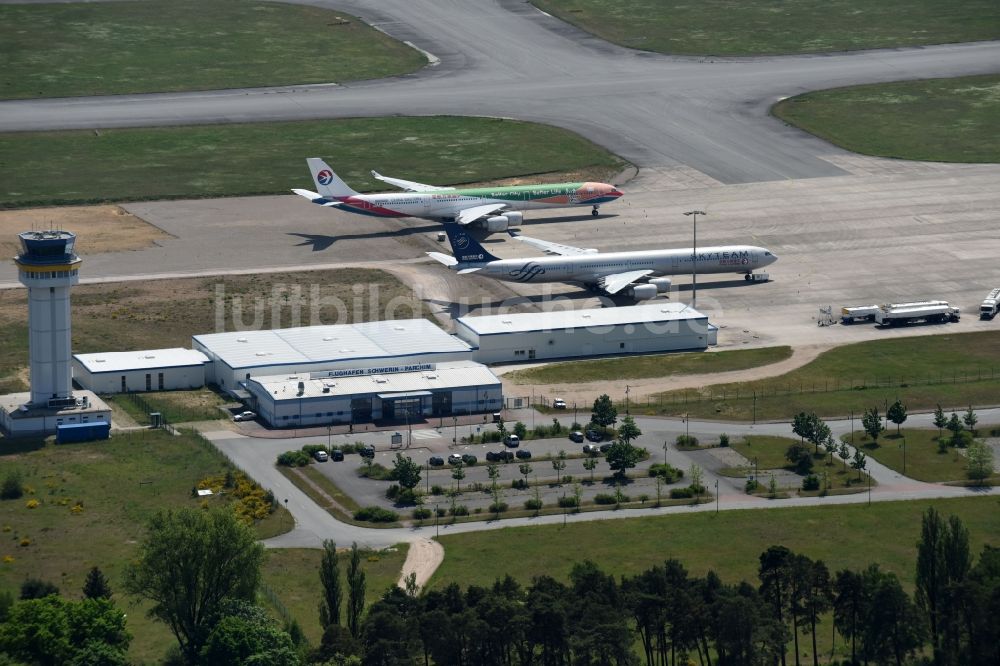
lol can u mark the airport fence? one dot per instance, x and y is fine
(141, 404)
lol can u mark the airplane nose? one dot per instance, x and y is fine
(615, 192)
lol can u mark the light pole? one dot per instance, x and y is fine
(329, 440)
(454, 435)
(437, 522)
(716, 497)
(694, 265)
(904, 456)
(664, 452)
(687, 428)
(852, 427)
(626, 399)
(755, 408)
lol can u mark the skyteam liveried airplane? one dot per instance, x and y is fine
(641, 275)
(493, 209)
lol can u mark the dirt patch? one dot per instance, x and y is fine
(100, 228)
(423, 559)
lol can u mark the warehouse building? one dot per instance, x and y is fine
(236, 357)
(149, 370)
(653, 327)
(385, 393)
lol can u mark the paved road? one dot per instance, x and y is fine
(505, 58)
(313, 524)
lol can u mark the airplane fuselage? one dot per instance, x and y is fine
(448, 204)
(589, 269)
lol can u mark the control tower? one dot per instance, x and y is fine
(48, 267)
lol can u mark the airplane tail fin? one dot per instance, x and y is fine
(327, 182)
(466, 248)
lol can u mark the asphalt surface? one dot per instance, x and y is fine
(505, 58)
(256, 457)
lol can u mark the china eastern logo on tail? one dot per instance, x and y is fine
(489, 209)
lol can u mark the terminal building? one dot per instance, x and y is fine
(636, 329)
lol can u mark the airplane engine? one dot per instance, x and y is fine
(643, 292)
(662, 284)
(514, 218)
(496, 224)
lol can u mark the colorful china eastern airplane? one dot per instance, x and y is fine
(493, 209)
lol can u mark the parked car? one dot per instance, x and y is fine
(576, 436)
(606, 446)
(558, 403)
(513, 441)
(367, 451)
(523, 454)
(245, 416)
(469, 459)
(595, 435)
(454, 458)
(500, 456)
(321, 456)
(337, 455)
(435, 461)
(491, 456)
(591, 449)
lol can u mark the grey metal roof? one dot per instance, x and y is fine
(446, 375)
(594, 317)
(310, 344)
(140, 360)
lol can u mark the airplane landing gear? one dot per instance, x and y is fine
(594, 212)
(747, 277)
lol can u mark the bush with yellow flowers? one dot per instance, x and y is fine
(250, 501)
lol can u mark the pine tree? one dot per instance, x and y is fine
(96, 586)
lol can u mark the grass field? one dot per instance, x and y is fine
(920, 371)
(642, 367)
(175, 406)
(923, 460)
(119, 483)
(49, 168)
(103, 48)
(769, 451)
(728, 542)
(165, 313)
(763, 27)
(293, 576)
(940, 120)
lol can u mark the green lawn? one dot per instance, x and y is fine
(48, 168)
(101, 48)
(175, 406)
(120, 483)
(769, 451)
(920, 371)
(293, 576)
(940, 120)
(729, 542)
(923, 460)
(642, 367)
(764, 27)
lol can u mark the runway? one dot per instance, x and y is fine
(505, 58)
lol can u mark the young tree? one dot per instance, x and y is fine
(525, 470)
(96, 586)
(979, 464)
(406, 472)
(872, 423)
(590, 464)
(897, 414)
(622, 456)
(355, 591)
(859, 462)
(940, 420)
(493, 470)
(187, 564)
(845, 453)
(501, 428)
(604, 413)
(329, 576)
(697, 479)
(954, 425)
(803, 425)
(628, 430)
(558, 465)
(458, 473)
(820, 433)
(970, 420)
(801, 458)
(520, 430)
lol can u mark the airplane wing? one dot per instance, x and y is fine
(442, 258)
(612, 284)
(409, 184)
(315, 198)
(470, 215)
(552, 248)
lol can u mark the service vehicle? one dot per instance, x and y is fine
(855, 313)
(988, 308)
(908, 313)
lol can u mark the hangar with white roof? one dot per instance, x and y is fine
(150, 370)
(636, 329)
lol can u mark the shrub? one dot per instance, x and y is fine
(801, 457)
(375, 514)
(541, 432)
(421, 513)
(392, 492)
(568, 479)
(459, 510)
(437, 490)
(347, 448)
(311, 449)
(408, 497)
(723, 439)
(811, 482)
(498, 507)
(687, 440)
(604, 498)
(681, 493)
(12, 487)
(697, 489)
(518, 484)
(643, 498)
(961, 439)
(567, 502)
(668, 473)
(479, 509)
(441, 511)
(293, 459)
(751, 486)
(377, 472)
(533, 504)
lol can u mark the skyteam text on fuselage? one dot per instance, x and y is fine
(491, 208)
(641, 275)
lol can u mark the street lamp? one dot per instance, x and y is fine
(437, 522)
(454, 435)
(664, 452)
(694, 266)
(626, 399)
(904, 456)
(716, 497)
